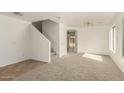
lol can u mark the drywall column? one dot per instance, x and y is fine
(62, 40)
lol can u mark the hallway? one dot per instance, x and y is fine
(72, 67)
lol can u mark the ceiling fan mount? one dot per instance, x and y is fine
(18, 13)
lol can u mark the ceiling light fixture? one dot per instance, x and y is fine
(18, 13)
(88, 24)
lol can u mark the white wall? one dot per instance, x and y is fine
(62, 39)
(117, 56)
(93, 39)
(14, 40)
(50, 30)
(40, 46)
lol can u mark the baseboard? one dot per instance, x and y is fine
(117, 64)
(22, 61)
(37, 60)
(94, 53)
(14, 63)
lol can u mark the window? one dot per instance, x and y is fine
(112, 39)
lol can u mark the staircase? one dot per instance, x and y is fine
(38, 26)
(53, 54)
(41, 46)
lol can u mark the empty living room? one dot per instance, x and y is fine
(61, 46)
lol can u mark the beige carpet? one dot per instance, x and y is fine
(75, 67)
(12, 71)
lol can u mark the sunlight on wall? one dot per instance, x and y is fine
(112, 38)
(93, 57)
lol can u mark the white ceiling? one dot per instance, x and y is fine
(69, 18)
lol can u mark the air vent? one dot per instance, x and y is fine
(18, 13)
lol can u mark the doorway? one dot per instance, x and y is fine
(72, 41)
